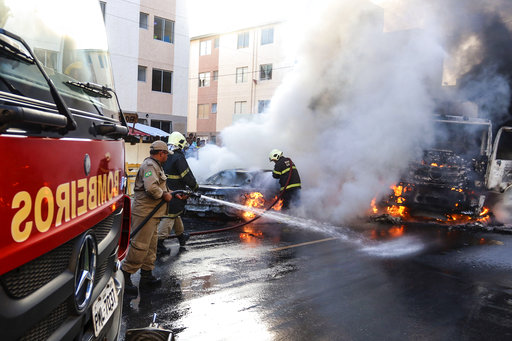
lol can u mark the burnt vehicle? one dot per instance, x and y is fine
(462, 172)
(235, 186)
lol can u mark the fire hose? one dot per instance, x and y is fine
(191, 193)
(241, 224)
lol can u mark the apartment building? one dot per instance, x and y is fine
(233, 76)
(149, 46)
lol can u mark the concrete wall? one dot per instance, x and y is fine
(181, 61)
(193, 73)
(155, 54)
(122, 24)
(136, 153)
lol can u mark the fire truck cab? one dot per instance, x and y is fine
(64, 223)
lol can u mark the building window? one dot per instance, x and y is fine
(143, 20)
(263, 105)
(240, 107)
(48, 58)
(100, 60)
(162, 81)
(205, 47)
(204, 79)
(164, 30)
(216, 42)
(214, 108)
(243, 40)
(162, 125)
(202, 111)
(265, 72)
(241, 74)
(103, 6)
(267, 36)
(141, 73)
(215, 75)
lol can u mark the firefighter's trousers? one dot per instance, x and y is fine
(142, 250)
(167, 225)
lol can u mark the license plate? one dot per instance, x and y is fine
(104, 307)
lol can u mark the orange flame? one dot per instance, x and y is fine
(254, 199)
(250, 235)
(279, 205)
(375, 210)
(398, 208)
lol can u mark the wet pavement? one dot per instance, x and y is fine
(274, 281)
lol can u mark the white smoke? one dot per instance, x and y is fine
(503, 209)
(351, 115)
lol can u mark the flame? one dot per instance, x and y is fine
(254, 199)
(483, 217)
(250, 235)
(485, 211)
(392, 232)
(396, 231)
(375, 210)
(398, 209)
(279, 205)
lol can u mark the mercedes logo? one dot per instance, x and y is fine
(85, 272)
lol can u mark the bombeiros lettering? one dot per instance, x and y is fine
(46, 208)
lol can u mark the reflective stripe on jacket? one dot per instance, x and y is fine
(179, 177)
(281, 172)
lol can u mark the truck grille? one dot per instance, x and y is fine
(47, 326)
(31, 276)
(26, 279)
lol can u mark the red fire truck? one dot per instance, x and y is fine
(64, 218)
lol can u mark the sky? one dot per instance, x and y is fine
(206, 16)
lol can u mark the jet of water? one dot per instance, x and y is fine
(394, 248)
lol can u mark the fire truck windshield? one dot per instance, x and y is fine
(69, 40)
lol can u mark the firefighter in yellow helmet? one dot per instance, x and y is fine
(179, 177)
(282, 169)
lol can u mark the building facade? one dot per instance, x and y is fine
(149, 46)
(232, 76)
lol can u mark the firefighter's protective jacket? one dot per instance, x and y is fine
(179, 177)
(281, 172)
(150, 185)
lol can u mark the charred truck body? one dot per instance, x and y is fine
(64, 219)
(462, 172)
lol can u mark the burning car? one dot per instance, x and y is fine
(255, 188)
(460, 174)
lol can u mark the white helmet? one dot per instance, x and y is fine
(275, 155)
(178, 140)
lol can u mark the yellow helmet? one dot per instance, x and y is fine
(275, 155)
(177, 139)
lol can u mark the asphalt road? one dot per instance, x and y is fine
(277, 281)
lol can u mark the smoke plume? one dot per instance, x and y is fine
(357, 106)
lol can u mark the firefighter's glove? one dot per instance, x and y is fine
(182, 196)
(167, 196)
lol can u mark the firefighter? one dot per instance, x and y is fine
(149, 189)
(282, 167)
(179, 177)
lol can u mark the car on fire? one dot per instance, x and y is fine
(461, 173)
(234, 186)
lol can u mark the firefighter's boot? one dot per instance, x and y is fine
(129, 288)
(147, 278)
(182, 238)
(161, 250)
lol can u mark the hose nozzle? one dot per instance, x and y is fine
(186, 192)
